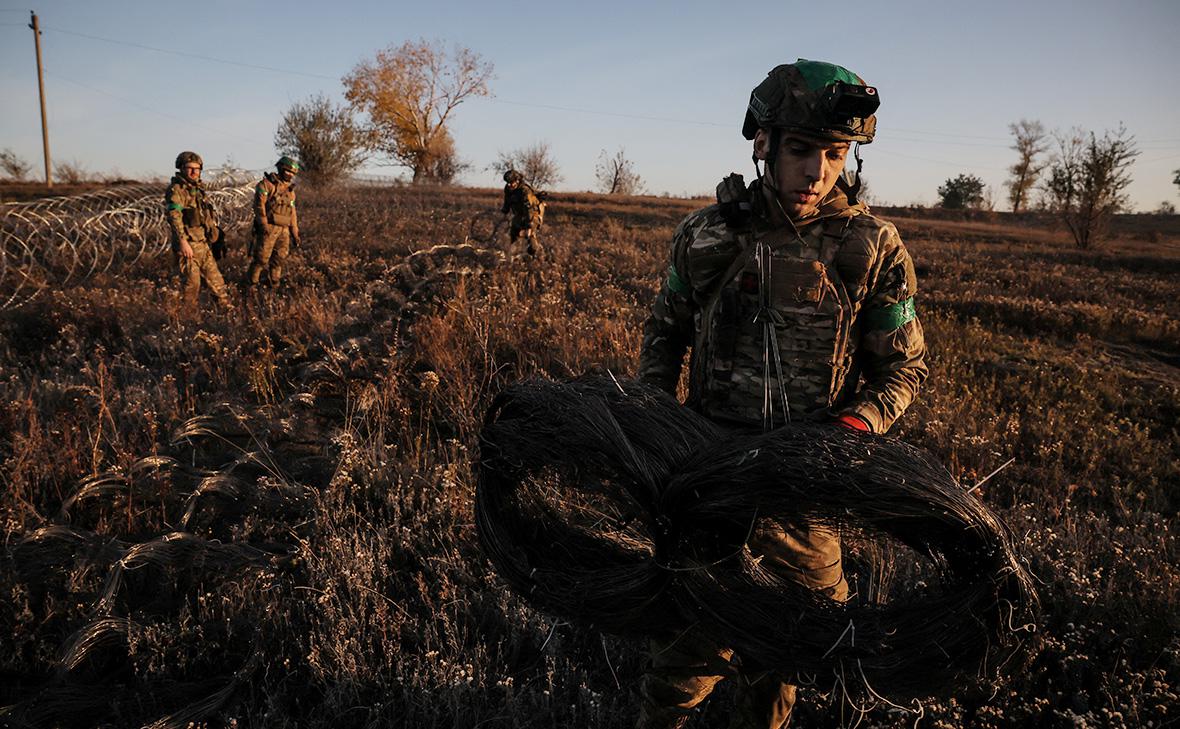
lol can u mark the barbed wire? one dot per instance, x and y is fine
(55, 242)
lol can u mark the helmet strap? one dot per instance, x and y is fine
(854, 188)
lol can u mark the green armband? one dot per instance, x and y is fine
(175, 206)
(675, 283)
(893, 316)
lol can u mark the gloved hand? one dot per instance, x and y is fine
(852, 422)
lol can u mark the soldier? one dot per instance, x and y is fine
(276, 223)
(798, 305)
(528, 211)
(196, 235)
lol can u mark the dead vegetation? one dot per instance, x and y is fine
(268, 518)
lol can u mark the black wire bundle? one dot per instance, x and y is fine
(610, 503)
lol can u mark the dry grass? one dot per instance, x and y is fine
(315, 451)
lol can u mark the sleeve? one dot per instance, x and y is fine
(260, 194)
(294, 216)
(505, 206)
(667, 332)
(174, 210)
(892, 348)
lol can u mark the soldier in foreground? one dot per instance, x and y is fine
(276, 223)
(528, 212)
(197, 239)
(798, 305)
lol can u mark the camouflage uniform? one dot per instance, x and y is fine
(528, 213)
(811, 319)
(192, 219)
(275, 224)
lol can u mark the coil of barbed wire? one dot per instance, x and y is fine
(610, 503)
(59, 241)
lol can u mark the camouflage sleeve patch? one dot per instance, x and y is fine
(893, 316)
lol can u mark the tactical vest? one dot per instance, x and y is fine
(196, 213)
(280, 203)
(777, 335)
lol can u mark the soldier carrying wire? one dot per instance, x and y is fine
(276, 223)
(528, 212)
(798, 305)
(197, 238)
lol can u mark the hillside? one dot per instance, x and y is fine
(266, 517)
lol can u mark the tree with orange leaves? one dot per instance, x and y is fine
(408, 94)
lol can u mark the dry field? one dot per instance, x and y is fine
(265, 518)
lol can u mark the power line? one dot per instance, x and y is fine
(610, 113)
(138, 105)
(191, 55)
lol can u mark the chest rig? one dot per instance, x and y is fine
(280, 203)
(773, 340)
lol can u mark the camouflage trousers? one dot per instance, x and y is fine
(685, 668)
(201, 265)
(270, 250)
(527, 228)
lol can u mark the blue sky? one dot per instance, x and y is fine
(666, 81)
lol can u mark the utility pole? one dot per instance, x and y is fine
(41, 88)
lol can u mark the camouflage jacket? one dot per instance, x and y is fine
(522, 201)
(828, 314)
(274, 203)
(190, 216)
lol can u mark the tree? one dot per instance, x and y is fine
(408, 94)
(964, 191)
(1176, 179)
(536, 163)
(13, 165)
(1029, 143)
(323, 137)
(616, 174)
(1087, 180)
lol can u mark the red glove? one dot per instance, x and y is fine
(852, 422)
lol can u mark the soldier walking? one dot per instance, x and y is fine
(798, 305)
(528, 212)
(276, 223)
(195, 233)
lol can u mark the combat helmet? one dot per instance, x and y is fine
(188, 158)
(513, 176)
(288, 163)
(816, 98)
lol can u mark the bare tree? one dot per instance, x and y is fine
(616, 174)
(323, 137)
(408, 94)
(1176, 179)
(536, 163)
(16, 167)
(1029, 142)
(72, 172)
(1087, 180)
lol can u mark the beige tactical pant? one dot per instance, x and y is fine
(671, 688)
(192, 270)
(272, 249)
(527, 227)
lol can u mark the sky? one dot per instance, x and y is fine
(130, 84)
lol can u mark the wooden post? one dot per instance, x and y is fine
(41, 88)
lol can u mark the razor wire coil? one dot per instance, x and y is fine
(56, 242)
